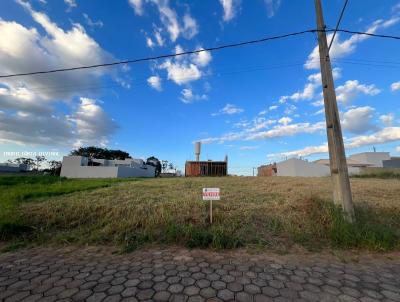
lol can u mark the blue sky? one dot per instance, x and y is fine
(257, 103)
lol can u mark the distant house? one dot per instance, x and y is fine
(13, 168)
(267, 170)
(82, 167)
(356, 163)
(303, 168)
(354, 167)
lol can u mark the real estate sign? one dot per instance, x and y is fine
(211, 194)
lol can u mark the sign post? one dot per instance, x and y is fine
(211, 194)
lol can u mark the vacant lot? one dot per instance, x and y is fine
(274, 213)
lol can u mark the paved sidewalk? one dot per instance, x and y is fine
(176, 274)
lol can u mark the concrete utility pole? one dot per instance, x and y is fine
(338, 165)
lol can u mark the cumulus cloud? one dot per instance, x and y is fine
(285, 120)
(137, 6)
(31, 101)
(358, 120)
(273, 107)
(187, 96)
(92, 123)
(352, 89)
(385, 135)
(229, 109)
(308, 92)
(272, 7)
(230, 8)
(387, 119)
(185, 69)
(255, 133)
(342, 48)
(70, 3)
(155, 82)
(92, 23)
(395, 86)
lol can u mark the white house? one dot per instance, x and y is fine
(82, 167)
(374, 159)
(356, 163)
(299, 167)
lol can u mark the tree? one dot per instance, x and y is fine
(171, 166)
(164, 164)
(103, 153)
(54, 167)
(153, 161)
(39, 160)
(23, 160)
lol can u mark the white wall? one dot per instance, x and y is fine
(298, 167)
(76, 167)
(136, 172)
(88, 172)
(373, 158)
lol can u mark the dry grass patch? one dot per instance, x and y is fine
(267, 212)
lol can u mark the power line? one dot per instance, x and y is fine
(365, 34)
(163, 56)
(197, 51)
(337, 24)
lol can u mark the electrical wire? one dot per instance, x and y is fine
(216, 48)
(337, 24)
(249, 42)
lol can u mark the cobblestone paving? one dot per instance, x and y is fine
(175, 274)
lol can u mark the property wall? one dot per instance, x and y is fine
(297, 167)
(373, 158)
(89, 172)
(392, 163)
(136, 172)
(7, 168)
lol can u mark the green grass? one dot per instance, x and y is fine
(273, 213)
(383, 173)
(15, 190)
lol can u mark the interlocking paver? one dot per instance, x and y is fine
(174, 274)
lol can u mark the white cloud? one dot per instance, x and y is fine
(352, 89)
(387, 119)
(230, 9)
(246, 148)
(155, 82)
(149, 42)
(31, 116)
(181, 73)
(308, 92)
(281, 130)
(189, 97)
(92, 23)
(70, 3)
(202, 58)
(190, 27)
(285, 120)
(229, 109)
(341, 48)
(137, 6)
(93, 125)
(385, 135)
(272, 7)
(169, 18)
(185, 69)
(358, 120)
(395, 86)
(273, 107)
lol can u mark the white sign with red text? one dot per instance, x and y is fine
(211, 194)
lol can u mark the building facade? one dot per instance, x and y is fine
(82, 167)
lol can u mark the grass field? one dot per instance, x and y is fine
(274, 213)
